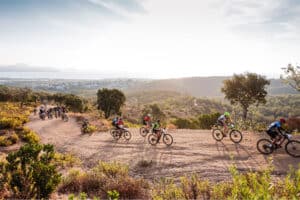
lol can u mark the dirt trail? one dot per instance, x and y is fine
(193, 151)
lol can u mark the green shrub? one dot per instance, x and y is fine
(31, 173)
(14, 138)
(29, 136)
(66, 160)
(207, 120)
(182, 123)
(113, 195)
(9, 123)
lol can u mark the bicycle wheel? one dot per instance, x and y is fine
(265, 146)
(152, 139)
(217, 134)
(168, 139)
(293, 148)
(236, 136)
(116, 134)
(127, 135)
(143, 131)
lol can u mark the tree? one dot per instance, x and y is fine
(292, 76)
(245, 90)
(110, 101)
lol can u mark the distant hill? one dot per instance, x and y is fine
(203, 86)
(25, 68)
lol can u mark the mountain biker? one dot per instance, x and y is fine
(115, 122)
(275, 130)
(85, 124)
(223, 120)
(156, 129)
(120, 123)
(147, 120)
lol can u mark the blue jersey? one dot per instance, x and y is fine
(274, 125)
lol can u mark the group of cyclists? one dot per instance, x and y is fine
(274, 130)
(57, 112)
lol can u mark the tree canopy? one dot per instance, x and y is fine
(110, 101)
(245, 90)
(292, 76)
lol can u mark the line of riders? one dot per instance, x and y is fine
(277, 131)
(57, 112)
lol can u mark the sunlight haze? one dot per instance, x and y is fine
(152, 38)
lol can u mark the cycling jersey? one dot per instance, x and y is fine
(274, 125)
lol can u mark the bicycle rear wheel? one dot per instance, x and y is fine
(293, 148)
(217, 134)
(168, 139)
(265, 146)
(116, 134)
(236, 136)
(152, 139)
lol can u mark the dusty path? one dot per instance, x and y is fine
(192, 151)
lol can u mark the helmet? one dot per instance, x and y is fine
(282, 120)
(149, 115)
(226, 114)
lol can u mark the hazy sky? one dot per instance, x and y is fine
(152, 38)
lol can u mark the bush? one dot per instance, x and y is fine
(28, 136)
(30, 172)
(14, 138)
(185, 124)
(208, 120)
(9, 123)
(103, 178)
(66, 160)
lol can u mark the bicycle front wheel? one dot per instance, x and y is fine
(236, 136)
(265, 146)
(293, 148)
(127, 135)
(168, 139)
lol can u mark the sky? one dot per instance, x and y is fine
(152, 38)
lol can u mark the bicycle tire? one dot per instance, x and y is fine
(152, 139)
(267, 146)
(217, 134)
(143, 132)
(235, 136)
(168, 139)
(296, 148)
(127, 135)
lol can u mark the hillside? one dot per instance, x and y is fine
(204, 86)
(193, 86)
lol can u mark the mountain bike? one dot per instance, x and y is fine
(234, 134)
(154, 138)
(292, 147)
(118, 133)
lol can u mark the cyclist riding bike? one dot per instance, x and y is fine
(156, 128)
(275, 131)
(223, 120)
(147, 120)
